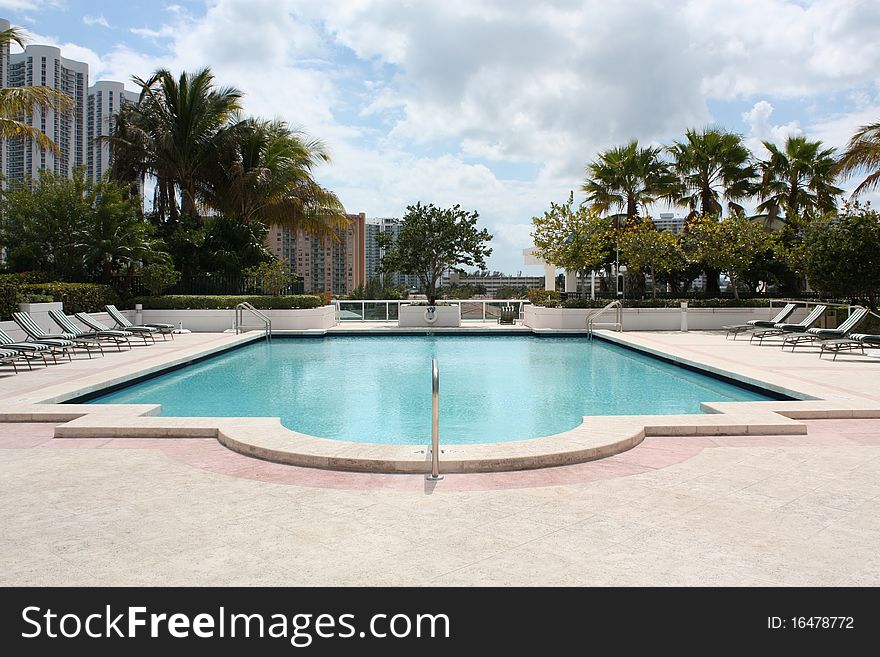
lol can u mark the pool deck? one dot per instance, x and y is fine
(34, 396)
(773, 509)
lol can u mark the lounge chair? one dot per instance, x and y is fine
(850, 343)
(755, 324)
(95, 325)
(507, 316)
(27, 349)
(11, 356)
(66, 324)
(61, 342)
(783, 329)
(819, 334)
(123, 323)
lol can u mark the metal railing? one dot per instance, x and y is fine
(616, 325)
(435, 423)
(388, 310)
(264, 319)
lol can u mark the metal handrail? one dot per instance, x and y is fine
(435, 423)
(618, 325)
(239, 318)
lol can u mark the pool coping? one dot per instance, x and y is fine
(265, 438)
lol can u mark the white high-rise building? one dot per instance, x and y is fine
(74, 131)
(105, 99)
(44, 66)
(373, 254)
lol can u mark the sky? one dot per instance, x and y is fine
(497, 105)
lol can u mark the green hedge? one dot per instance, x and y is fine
(76, 297)
(25, 277)
(214, 302)
(10, 297)
(669, 303)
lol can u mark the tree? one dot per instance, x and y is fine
(158, 277)
(799, 181)
(862, 156)
(710, 165)
(376, 289)
(432, 240)
(172, 133)
(229, 246)
(16, 102)
(729, 245)
(626, 178)
(262, 172)
(576, 239)
(512, 292)
(644, 248)
(74, 228)
(270, 277)
(842, 255)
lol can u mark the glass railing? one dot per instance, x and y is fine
(474, 310)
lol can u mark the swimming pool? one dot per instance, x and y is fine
(378, 389)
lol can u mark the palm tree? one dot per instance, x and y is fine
(171, 135)
(263, 173)
(711, 165)
(862, 155)
(798, 179)
(114, 236)
(626, 178)
(17, 102)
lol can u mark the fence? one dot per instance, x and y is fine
(477, 310)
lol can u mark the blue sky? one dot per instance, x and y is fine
(497, 105)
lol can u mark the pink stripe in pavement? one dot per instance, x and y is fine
(654, 453)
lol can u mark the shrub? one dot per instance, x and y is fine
(158, 277)
(76, 297)
(668, 303)
(10, 297)
(215, 302)
(23, 277)
(270, 277)
(544, 297)
(37, 298)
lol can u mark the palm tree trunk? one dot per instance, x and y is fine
(712, 287)
(733, 284)
(653, 284)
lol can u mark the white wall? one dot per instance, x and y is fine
(647, 319)
(217, 321)
(198, 321)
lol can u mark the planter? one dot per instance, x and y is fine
(420, 317)
(645, 319)
(217, 321)
(43, 308)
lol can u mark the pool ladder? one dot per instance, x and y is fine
(264, 319)
(617, 325)
(435, 423)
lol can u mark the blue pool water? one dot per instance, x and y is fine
(378, 389)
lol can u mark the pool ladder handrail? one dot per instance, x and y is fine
(616, 325)
(239, 319)
(435, 423)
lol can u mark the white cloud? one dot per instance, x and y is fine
(761, 130)
(423, 100)
(99, 20)
(28, 5)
